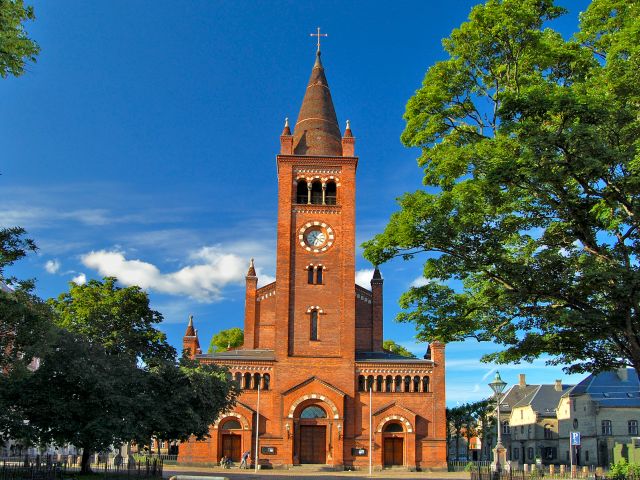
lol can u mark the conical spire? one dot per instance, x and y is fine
(190, 330)
(316, 131)
(252, 269)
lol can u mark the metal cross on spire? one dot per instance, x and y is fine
(318, 35)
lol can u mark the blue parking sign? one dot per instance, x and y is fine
(575, 438)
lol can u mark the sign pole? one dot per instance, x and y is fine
(370, 430)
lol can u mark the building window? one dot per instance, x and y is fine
(238, 379)
(393, 428)
(633, 427)
(506, 429)
(232, 425)
(549, 453)
(575, 423)
(319, 275)
(247, 381)
(314, 325)
(310, 275)
(522, 429)
(425, 384)
(398, 383)
(266, 380)
(256, 381)
(516, 453)
(586, 455)
(313, 411)
(379, 383)
(606, 427)
(521, 414)
(388, 384)
(407, 383)
(330, 193)
(548, 433)
(416, 384)
(316, 193)
(302, 192)
(361, 381)
(530, 453)
(370, 381)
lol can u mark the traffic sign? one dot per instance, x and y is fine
(575, 438)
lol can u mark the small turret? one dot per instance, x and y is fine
(348, 142)
(376, 310)
(286, 139)
(190, 341)
(251, 286)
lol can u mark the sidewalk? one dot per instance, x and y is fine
(237, 474)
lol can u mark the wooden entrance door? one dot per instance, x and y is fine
(313, 444)
(231, 446)
(393, 451)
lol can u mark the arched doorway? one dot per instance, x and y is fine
(312, 435)
(231, 439)
(393, 444)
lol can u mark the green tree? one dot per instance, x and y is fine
(529, 221)
(393, 347)
(456, 420)
(120, 319)
(225, 339)
(16, 48)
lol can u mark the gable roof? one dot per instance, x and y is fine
(544, 399)
(608, 389)
(312, 379)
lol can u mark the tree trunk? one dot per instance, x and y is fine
(86, 461)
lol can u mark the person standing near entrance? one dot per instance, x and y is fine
(245, 459)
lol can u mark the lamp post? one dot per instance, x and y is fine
(500, 457)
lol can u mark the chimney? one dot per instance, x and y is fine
(623, 374)
(522, 380)
(558, 386)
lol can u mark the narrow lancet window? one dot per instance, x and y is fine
(314, 325)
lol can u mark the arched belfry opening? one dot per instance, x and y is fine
(330, 194)
(316, 192)
(302, 192)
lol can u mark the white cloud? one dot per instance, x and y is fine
(79, 279)
(212, 270)
(52, 266)
(420, 281)
(363, 278)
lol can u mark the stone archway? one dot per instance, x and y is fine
(313, 431)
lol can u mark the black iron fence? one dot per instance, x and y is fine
(46, 468)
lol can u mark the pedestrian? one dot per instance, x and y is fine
(245, 459)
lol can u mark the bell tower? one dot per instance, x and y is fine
(315, 310)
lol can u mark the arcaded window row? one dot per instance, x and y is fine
(391, 384)
(248, 381)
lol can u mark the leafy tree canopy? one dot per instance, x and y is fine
(120, 319)
(393, 347)
(16, 48)
(530, 215)
(224, 339)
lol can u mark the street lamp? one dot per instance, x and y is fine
(500, 456)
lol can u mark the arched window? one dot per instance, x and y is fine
(361, 383)
(425, 384)
(266, 380)
(302, 192)
(313, 411)
(398, 383)
(319, 275)
(231, 425)
(407, 383)
(238, 378)
(370, 381)
(256, 381)
(310, 274)
(416, 383)
(379, 383)
(389, 384)
(393, 428)
(316, 193)
(247, 381)
(313, 334)
(330, 193)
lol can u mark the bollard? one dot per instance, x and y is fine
(552, 470)
(574, 470)
(562, 469)
(525, 467)
(585, 471)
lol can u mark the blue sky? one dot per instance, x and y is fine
(142, 144)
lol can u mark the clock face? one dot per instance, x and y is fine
(316, 236)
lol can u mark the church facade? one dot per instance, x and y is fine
(313, 338)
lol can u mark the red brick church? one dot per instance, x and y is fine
(313, 338)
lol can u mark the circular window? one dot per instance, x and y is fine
(232, 425)
(313, 412)
(393, 428)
